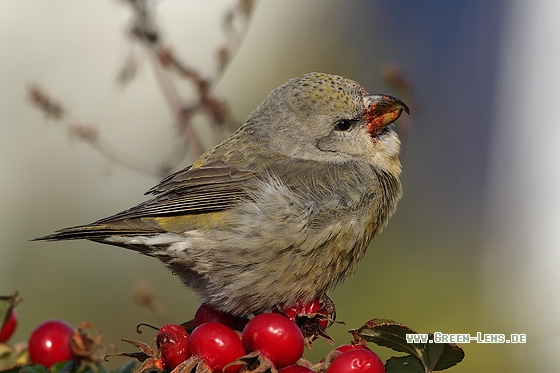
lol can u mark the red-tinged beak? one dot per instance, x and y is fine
(382, 110)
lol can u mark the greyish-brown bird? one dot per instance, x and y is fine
(281, 211)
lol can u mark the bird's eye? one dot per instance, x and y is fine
(343, 125)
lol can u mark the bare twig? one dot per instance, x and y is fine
(182, 116)
(45, 103)
(241, 12)
(87, 133)
(145, 31)
(166, 64)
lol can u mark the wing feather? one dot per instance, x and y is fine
(209, 188)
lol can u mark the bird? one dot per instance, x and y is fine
(280, 212)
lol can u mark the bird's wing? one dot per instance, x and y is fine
(178, 201)
(209, 188)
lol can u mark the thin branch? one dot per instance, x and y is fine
(164, 61)
(227, 52)
(86, 133)
(144, 30)
(193, 142)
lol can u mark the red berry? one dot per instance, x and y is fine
(310, 308)
(217, 345)
(9, 326)
(350, 347)
(301, 308)
(357, 361)
(206, 313)
(172, 342)
(275, 337)
(49, 343)
(295, 369)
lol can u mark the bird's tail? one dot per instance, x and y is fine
(94, 232)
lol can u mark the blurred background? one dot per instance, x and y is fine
(474, 244)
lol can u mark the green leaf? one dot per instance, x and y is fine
(388, 333)
(431, 354)
(404, 364)
(33, 369)
(7, 302)
(64, 367)
(440, 356)
(451, 355)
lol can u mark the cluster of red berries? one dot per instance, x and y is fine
(267, 340)
(218, 342)
(214, 342)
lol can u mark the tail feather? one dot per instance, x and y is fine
(94, 232)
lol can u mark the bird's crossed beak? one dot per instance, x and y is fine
(382, 110)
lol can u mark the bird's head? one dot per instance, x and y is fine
(330, 118)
